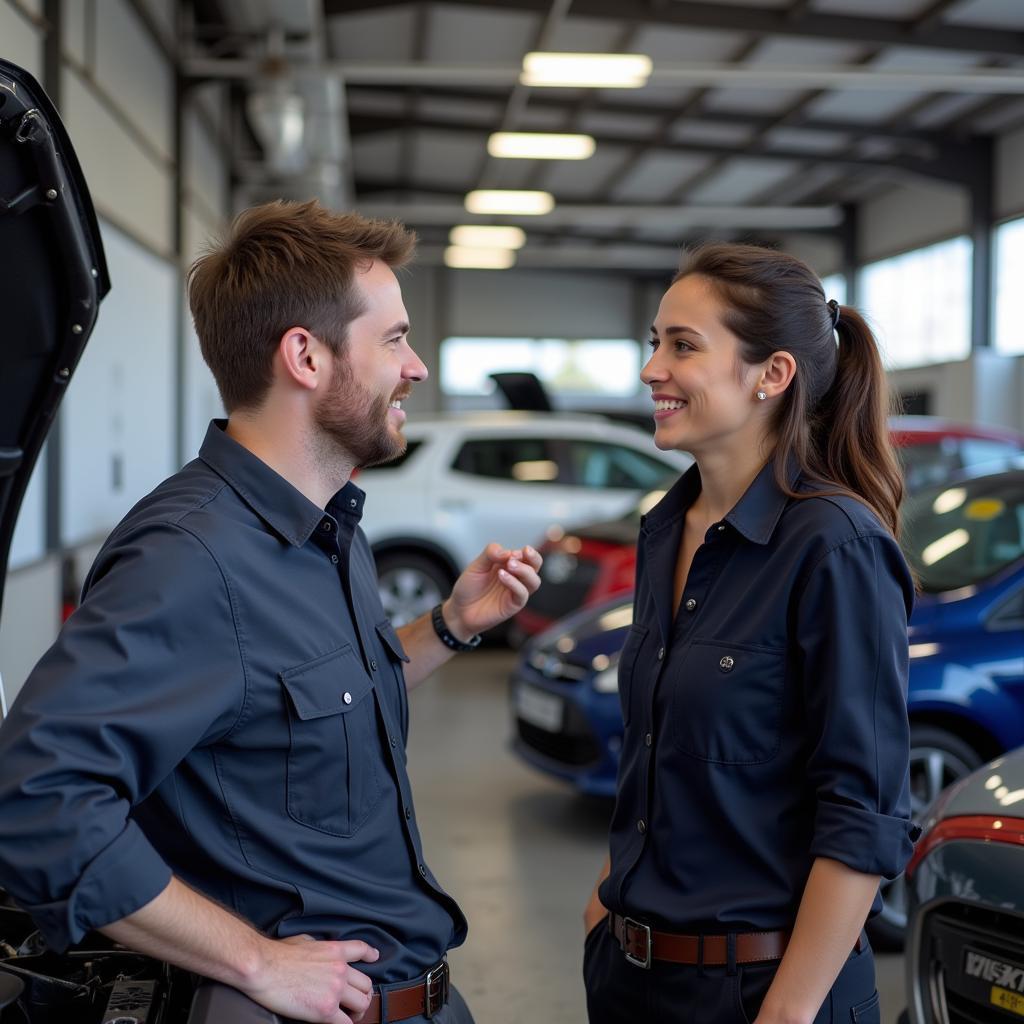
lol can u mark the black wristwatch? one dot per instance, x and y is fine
(444, 634)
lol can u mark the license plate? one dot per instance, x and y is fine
(1007, 1000)
(540, 709)
(996, 980)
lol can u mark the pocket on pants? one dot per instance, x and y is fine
(867, 1012)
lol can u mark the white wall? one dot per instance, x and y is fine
(118, 425)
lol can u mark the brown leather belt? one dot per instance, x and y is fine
(421, 998)
(641, 944)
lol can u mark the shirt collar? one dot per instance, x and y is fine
(285, 509)
(755, 515)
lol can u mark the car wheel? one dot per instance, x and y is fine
(410, 584)
(938, 758)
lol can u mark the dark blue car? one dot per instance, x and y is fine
(965, 540)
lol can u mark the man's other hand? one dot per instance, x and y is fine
(491, 589)
(312, 980)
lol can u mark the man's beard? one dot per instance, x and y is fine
(355, 421)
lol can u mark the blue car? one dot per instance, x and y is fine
(965, 541)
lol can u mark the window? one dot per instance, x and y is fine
(965, 534)
(919, 304)
(835, 288)
(597, 464)
(1009, 271)
(526, 460)
(565, 367)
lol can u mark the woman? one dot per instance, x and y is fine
(763, 789)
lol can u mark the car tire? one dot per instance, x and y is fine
(938, 758)
(410, 584)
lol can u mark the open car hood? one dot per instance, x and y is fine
(52, 277)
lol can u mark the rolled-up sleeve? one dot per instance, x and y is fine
(852, 627)
(148, 668)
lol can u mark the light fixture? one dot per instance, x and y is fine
(540, 146)
(278, 118)
(586, 70)
(510, 201)
(482, 236)
(467, 258)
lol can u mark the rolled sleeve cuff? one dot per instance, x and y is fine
(121, 879)
(875, 844)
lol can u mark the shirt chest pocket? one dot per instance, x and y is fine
(335, 762)
(727, 702)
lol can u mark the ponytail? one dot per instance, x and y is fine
(832, 419)
(850, 446)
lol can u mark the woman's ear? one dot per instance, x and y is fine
(777, 372)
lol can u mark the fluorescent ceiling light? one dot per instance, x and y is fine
(540, 146)
(482, 236)
(478, 259)
(509, 201)
(586, 70)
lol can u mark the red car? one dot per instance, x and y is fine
(587, 566)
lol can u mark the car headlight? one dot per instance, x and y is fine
(607, 678)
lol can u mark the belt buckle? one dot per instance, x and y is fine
(436, 989)
(629, 924)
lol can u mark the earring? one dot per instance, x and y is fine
(761, 396)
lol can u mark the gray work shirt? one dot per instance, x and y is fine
(228, 704)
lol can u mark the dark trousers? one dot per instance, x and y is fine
(620, 993)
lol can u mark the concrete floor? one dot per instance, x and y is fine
(519, 851)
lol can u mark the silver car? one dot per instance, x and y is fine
(965, 943)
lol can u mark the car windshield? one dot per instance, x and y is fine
(965, 533)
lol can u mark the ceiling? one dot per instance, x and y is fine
(762, 117)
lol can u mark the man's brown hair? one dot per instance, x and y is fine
(282, 265)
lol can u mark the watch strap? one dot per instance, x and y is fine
(445, 635)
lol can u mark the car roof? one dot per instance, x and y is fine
(514, 419)
(920, 427)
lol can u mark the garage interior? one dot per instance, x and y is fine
(882, 141)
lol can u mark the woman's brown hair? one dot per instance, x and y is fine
(832, 417)
(282, 265)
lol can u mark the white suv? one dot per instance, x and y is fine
(469, 479)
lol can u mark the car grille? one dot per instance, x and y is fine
(948, 933)
(557, 598)
(575, 745)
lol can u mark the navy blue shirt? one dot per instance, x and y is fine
(228, 704)
(766, 722)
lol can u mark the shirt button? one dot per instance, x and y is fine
(648, 739)
(352, 502)
(373, 666)
(423, 870)
(408, 813)
(347, 697)
(334, 559)
(326, 526)
(661, 654)
(641, 826)
(726, 664)
(394, 742)
(721, 527)
(691, 605)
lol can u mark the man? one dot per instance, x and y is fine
(208, 766)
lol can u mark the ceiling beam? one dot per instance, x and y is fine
(543, 100)
(931, 164)
(929, 33)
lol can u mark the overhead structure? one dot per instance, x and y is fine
(688, 117)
